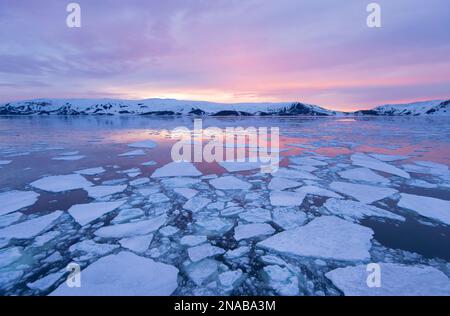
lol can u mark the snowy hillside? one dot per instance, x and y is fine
(157, 107)
(182, 107)
(436, 107)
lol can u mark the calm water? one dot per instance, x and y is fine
(30, 143)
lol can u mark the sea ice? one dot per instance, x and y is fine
(396, 280)
(281, 184)
(9, 255)
(307, 161)
(124, 274)
(137, 152)
(177, 169)
(236, 166)
(127, 214)
(363, 160)
(203, 251)
(149, 163)
(436, 209)
(186, 192)
(325, 237)
(237, 253)
(247, 231)
(167, 231)
(288, 218)
(284, 198)
(230, 183)
(362, 192)
(213, 226)
(181, 182)
(230, 279)
(192, 240)
(69, 158)
(355, 211)
(140, 181)
(91, 249)
(256, 215)
(388, 158)
(314, 190)
(293, 174)
(30, 228)
(196, 203)
(91, 171)
(132, 229)
(46, 282)
(86, 213)
(11, 201)
(61, 183)
(202, 271)
(364, 175)
(137, 243)
(143, 144)
(104, 190)
(283, 281)
(6, 220)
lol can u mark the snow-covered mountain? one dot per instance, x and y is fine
(157, 107)
(182, 107)
(435, 107)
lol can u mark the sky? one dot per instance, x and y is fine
(315, 51)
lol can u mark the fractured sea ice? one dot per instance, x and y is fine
(396, 280)
(30, 228)
(284, 198)
(61, 183)
(433, 208)
(230, 183)
(11, 201)
(177, 169)
(86, 213)
(363, 160)
(355, 211)
(132, 275)
(326, 237)
(362, 192)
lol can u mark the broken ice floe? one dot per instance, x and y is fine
(396, 280)
(91, 171)
(285, 198)
(69, 158)
(12, 201)
(61, 183)
(30, 228)
(363, 175)
(247, 231)
(104, 190)
(146, 277)
(143, 144)
(326, 237)
(433, 208)
(314, 190)
(363, 160)
(203, 251)
(355, 211)
(230, 183)
(86, 213)
(142, 227)
(177, 169)
(281, 184)
(137, 243)
(132, 153)
(362, 192)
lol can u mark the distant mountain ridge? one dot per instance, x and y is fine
(199, 108)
